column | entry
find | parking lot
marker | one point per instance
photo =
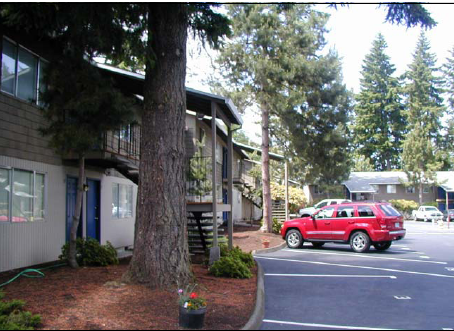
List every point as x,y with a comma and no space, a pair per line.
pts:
410,286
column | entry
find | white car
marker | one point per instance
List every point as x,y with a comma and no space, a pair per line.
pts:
306,212
427,214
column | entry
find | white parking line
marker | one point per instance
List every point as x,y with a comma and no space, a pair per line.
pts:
325,326
362,256
355,267
328,276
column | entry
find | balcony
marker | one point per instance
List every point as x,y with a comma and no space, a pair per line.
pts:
119,149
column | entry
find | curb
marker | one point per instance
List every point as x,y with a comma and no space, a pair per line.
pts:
270,250
258,315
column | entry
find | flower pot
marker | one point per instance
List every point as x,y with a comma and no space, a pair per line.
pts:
192,319
266,244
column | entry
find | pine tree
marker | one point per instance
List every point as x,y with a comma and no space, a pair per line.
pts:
380,125
273,59
424,109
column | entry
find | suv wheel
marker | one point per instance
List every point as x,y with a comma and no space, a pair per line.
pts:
294,239
360,242
383,246
318,245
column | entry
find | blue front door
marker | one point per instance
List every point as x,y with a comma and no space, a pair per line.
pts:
71,196
93,210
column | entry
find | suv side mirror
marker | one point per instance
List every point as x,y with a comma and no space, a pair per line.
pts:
313,217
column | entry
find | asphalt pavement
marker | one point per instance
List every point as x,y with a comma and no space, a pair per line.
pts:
408,287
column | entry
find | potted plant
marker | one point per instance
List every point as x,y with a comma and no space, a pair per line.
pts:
266,243
192,308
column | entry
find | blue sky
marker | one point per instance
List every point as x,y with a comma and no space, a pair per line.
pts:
352,31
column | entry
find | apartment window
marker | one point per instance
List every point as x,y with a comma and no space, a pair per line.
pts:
24,200
122,196
4,195
392,189
22,72
411,190
426,190
318,190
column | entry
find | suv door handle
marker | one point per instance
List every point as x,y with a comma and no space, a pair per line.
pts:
327,223
351,222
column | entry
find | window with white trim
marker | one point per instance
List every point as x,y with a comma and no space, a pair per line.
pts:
411,190
24,199
22,72
391,189
122,196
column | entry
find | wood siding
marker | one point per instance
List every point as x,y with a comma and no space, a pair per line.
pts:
19,132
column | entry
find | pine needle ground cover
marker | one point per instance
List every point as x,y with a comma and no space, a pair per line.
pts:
93,298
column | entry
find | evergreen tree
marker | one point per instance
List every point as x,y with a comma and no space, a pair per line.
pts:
273,59
380,125
424,108
424,89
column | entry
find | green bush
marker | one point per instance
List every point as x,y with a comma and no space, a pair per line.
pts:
13,317
277,226
405,207
91,253
234,263
231,267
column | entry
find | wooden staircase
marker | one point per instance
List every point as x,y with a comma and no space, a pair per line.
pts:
200,234
278,211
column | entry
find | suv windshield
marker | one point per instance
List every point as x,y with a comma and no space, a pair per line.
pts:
389,210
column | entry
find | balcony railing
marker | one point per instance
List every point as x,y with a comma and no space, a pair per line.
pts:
124,142
199,174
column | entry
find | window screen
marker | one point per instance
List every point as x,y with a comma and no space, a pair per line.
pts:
22,196
9,55
4,195
27,73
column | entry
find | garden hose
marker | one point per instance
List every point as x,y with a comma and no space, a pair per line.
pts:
28,273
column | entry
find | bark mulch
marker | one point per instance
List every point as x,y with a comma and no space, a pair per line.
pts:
94,299
250,238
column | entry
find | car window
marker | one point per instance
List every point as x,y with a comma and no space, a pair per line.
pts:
333,203
325,213
321,204
389,210
431,209
365,211
345,212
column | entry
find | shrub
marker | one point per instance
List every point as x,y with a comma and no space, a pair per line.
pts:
91,253
231,267
13,317
405,206
277,226
237,253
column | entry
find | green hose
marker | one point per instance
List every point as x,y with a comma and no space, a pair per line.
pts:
26,273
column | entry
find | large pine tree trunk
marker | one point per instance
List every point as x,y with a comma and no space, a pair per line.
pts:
267,210
161,253
72,260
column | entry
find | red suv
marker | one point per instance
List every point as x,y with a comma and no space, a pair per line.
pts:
358,224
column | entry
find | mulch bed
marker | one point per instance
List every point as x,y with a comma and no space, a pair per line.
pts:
250,238
93,299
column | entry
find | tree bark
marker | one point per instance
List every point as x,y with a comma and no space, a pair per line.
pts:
161,253
267,210
72,256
